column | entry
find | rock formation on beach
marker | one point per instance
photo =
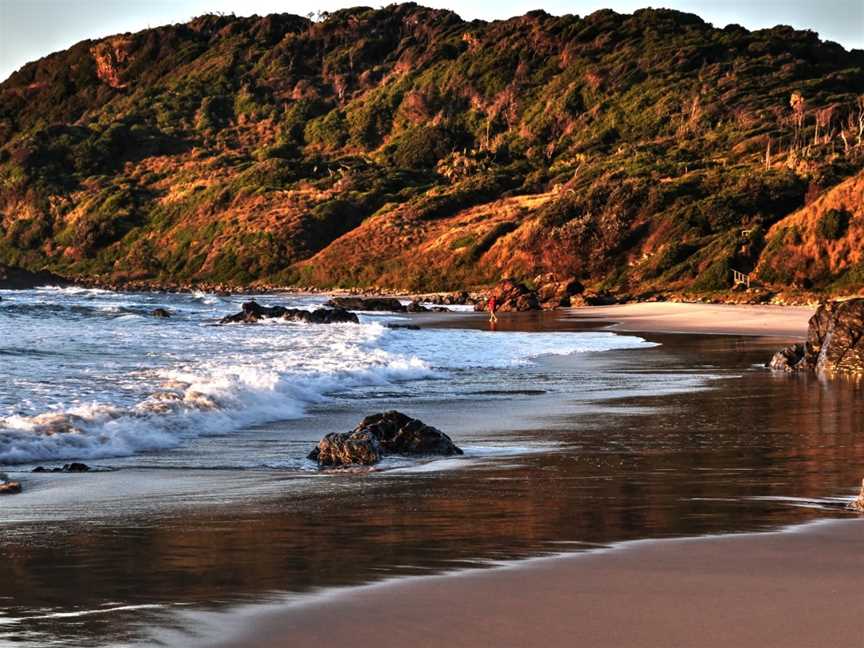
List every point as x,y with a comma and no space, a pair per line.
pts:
511,295
835,342
406,148
66,468
384,304
253,312
379,435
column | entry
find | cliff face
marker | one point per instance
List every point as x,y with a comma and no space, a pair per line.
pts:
404,147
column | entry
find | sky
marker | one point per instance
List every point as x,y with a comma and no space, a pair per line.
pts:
30,29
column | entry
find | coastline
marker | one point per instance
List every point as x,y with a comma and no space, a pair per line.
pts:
795,588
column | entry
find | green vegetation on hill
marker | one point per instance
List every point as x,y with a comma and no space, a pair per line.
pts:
407,148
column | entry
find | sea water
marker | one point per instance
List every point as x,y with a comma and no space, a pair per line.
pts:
90,374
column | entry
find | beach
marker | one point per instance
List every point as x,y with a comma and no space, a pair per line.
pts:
571,461
796,589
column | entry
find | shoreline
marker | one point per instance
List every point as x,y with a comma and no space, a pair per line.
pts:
795,587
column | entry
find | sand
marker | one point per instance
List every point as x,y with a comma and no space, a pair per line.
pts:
796,589
671,317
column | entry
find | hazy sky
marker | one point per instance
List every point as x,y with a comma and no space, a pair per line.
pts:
30,29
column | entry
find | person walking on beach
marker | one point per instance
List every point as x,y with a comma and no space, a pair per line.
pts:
493,306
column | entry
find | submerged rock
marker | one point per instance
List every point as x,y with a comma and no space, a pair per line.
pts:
835,342
160,312
379,435
858,503
253,312
385,304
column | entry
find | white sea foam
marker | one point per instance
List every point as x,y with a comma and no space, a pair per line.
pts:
135,384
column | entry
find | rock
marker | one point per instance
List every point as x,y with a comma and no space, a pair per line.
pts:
553,293
386,304
511,295
858,503
602,298
12,278
835,342
321,316
788,359
253,312
67,468
416,307
10,488
379,435
347,448
407,327
160,312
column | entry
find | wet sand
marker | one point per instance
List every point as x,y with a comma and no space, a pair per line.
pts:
671,317
798,588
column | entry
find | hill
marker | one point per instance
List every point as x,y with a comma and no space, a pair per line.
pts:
407,148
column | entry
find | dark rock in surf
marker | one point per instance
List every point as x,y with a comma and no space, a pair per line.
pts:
253,312
380,435
385,304
67,468
835,342
416,307
788,359
160,312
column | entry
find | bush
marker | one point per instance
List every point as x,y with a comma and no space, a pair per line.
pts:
833,224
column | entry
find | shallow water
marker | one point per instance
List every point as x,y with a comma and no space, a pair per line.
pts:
682,436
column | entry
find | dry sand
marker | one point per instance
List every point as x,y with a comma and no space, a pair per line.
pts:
672,317
791,589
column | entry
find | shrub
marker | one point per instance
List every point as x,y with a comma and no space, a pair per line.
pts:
833,224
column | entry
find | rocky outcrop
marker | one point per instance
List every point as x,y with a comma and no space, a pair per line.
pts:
552,292
835,342
446,299
253,312
511,295
384,304
12,278
111,56
787,359
67,468
602,298
858,503
379,435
